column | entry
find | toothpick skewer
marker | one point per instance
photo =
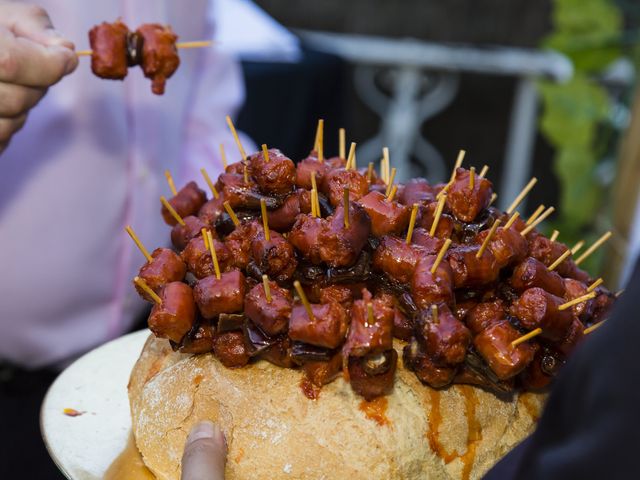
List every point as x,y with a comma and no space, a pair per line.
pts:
472,178
267,288
144,286
314,199
265,220
521,195
554,235
457,165
172,185
511,220
595,285
265,153
243,155
559,260
138,243
535,215
528,336
172,211
412,222
434,314
205,239
484,171
370,173
212,187
370,318
214,257
303,299
438,214
440,256
223,155
575,301
181,45
493,198
593,327
346,207
392,177
487,239
593,247
321,141
245,172
342,143
576,248
538,221
385,165
351,159
231,213
392,193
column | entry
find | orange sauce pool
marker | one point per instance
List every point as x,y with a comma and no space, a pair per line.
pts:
376,410
129,465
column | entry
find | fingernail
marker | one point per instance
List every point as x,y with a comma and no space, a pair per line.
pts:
204,429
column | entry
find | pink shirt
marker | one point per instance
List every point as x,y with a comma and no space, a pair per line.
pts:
89,161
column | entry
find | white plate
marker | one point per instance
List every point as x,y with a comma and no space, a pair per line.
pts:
84,446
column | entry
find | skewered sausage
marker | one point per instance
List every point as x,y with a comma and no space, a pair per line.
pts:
230,349
181,234
533,273
159,59
335,181
387,217
109,45
445,338
274,257
176,315
465,202
198,259
225,295
166,267
186,202
537,308
271,316
428,288
275,175
326,329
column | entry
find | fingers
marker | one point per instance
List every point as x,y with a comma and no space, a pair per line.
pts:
205,453
32,22
25,62
16,100
9,126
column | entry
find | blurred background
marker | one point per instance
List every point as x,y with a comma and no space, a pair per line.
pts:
539,88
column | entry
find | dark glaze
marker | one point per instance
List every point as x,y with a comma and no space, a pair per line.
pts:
238,243
469,271
446,341
426,216
397,259
507,245
417,190
306,167
230,349
365,338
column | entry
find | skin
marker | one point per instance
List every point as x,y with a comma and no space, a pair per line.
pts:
205,453
33,56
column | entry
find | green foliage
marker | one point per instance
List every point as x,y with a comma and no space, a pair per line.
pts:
587,31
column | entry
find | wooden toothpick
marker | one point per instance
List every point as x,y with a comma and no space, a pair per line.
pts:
538,221
528,336
171,210
231,213
438,214
212,187
440,256
243,155
345,197
559,260
138,243
535,215
214,257
144,286
412,223
593,247
303,299
342,143
487,239
265,220
521,195
267,288
172,185
575,301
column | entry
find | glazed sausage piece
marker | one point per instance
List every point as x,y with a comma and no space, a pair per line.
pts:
211,210
469,271
533,273
542,370
335,181
283,218
428,288
466,203
426,216
238,243
602,304
445,338
341,294
181,234
415,359
272,317
366,338
187,202
340,246
387,217
226,295
321,373
306,235
548,252
575,289
326,329
198,340
159,59
402,325
537,308
507,246
369,383
574,336
417,190
166,267
431,245
274,257
230,349
485,314
109,43
306,167
275,175
494,345
176,315
397,259
198,258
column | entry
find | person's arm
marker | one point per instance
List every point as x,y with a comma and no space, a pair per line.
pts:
205,453
33,56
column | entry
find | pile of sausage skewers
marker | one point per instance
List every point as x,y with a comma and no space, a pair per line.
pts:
320,265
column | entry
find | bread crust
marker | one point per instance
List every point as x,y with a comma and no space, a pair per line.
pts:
274,431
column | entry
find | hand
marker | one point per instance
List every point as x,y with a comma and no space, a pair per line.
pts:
33,56
205,453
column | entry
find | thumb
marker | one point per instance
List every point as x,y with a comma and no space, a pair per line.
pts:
205,453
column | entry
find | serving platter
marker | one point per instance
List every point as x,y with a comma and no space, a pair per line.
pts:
85,418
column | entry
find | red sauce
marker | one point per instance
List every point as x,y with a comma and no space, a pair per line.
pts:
197,379
72,412
376,410
435,420
239,456
311,391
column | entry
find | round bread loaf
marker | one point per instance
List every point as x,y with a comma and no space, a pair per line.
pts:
273,431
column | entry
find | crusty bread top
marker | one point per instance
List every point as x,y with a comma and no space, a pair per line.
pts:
274,431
